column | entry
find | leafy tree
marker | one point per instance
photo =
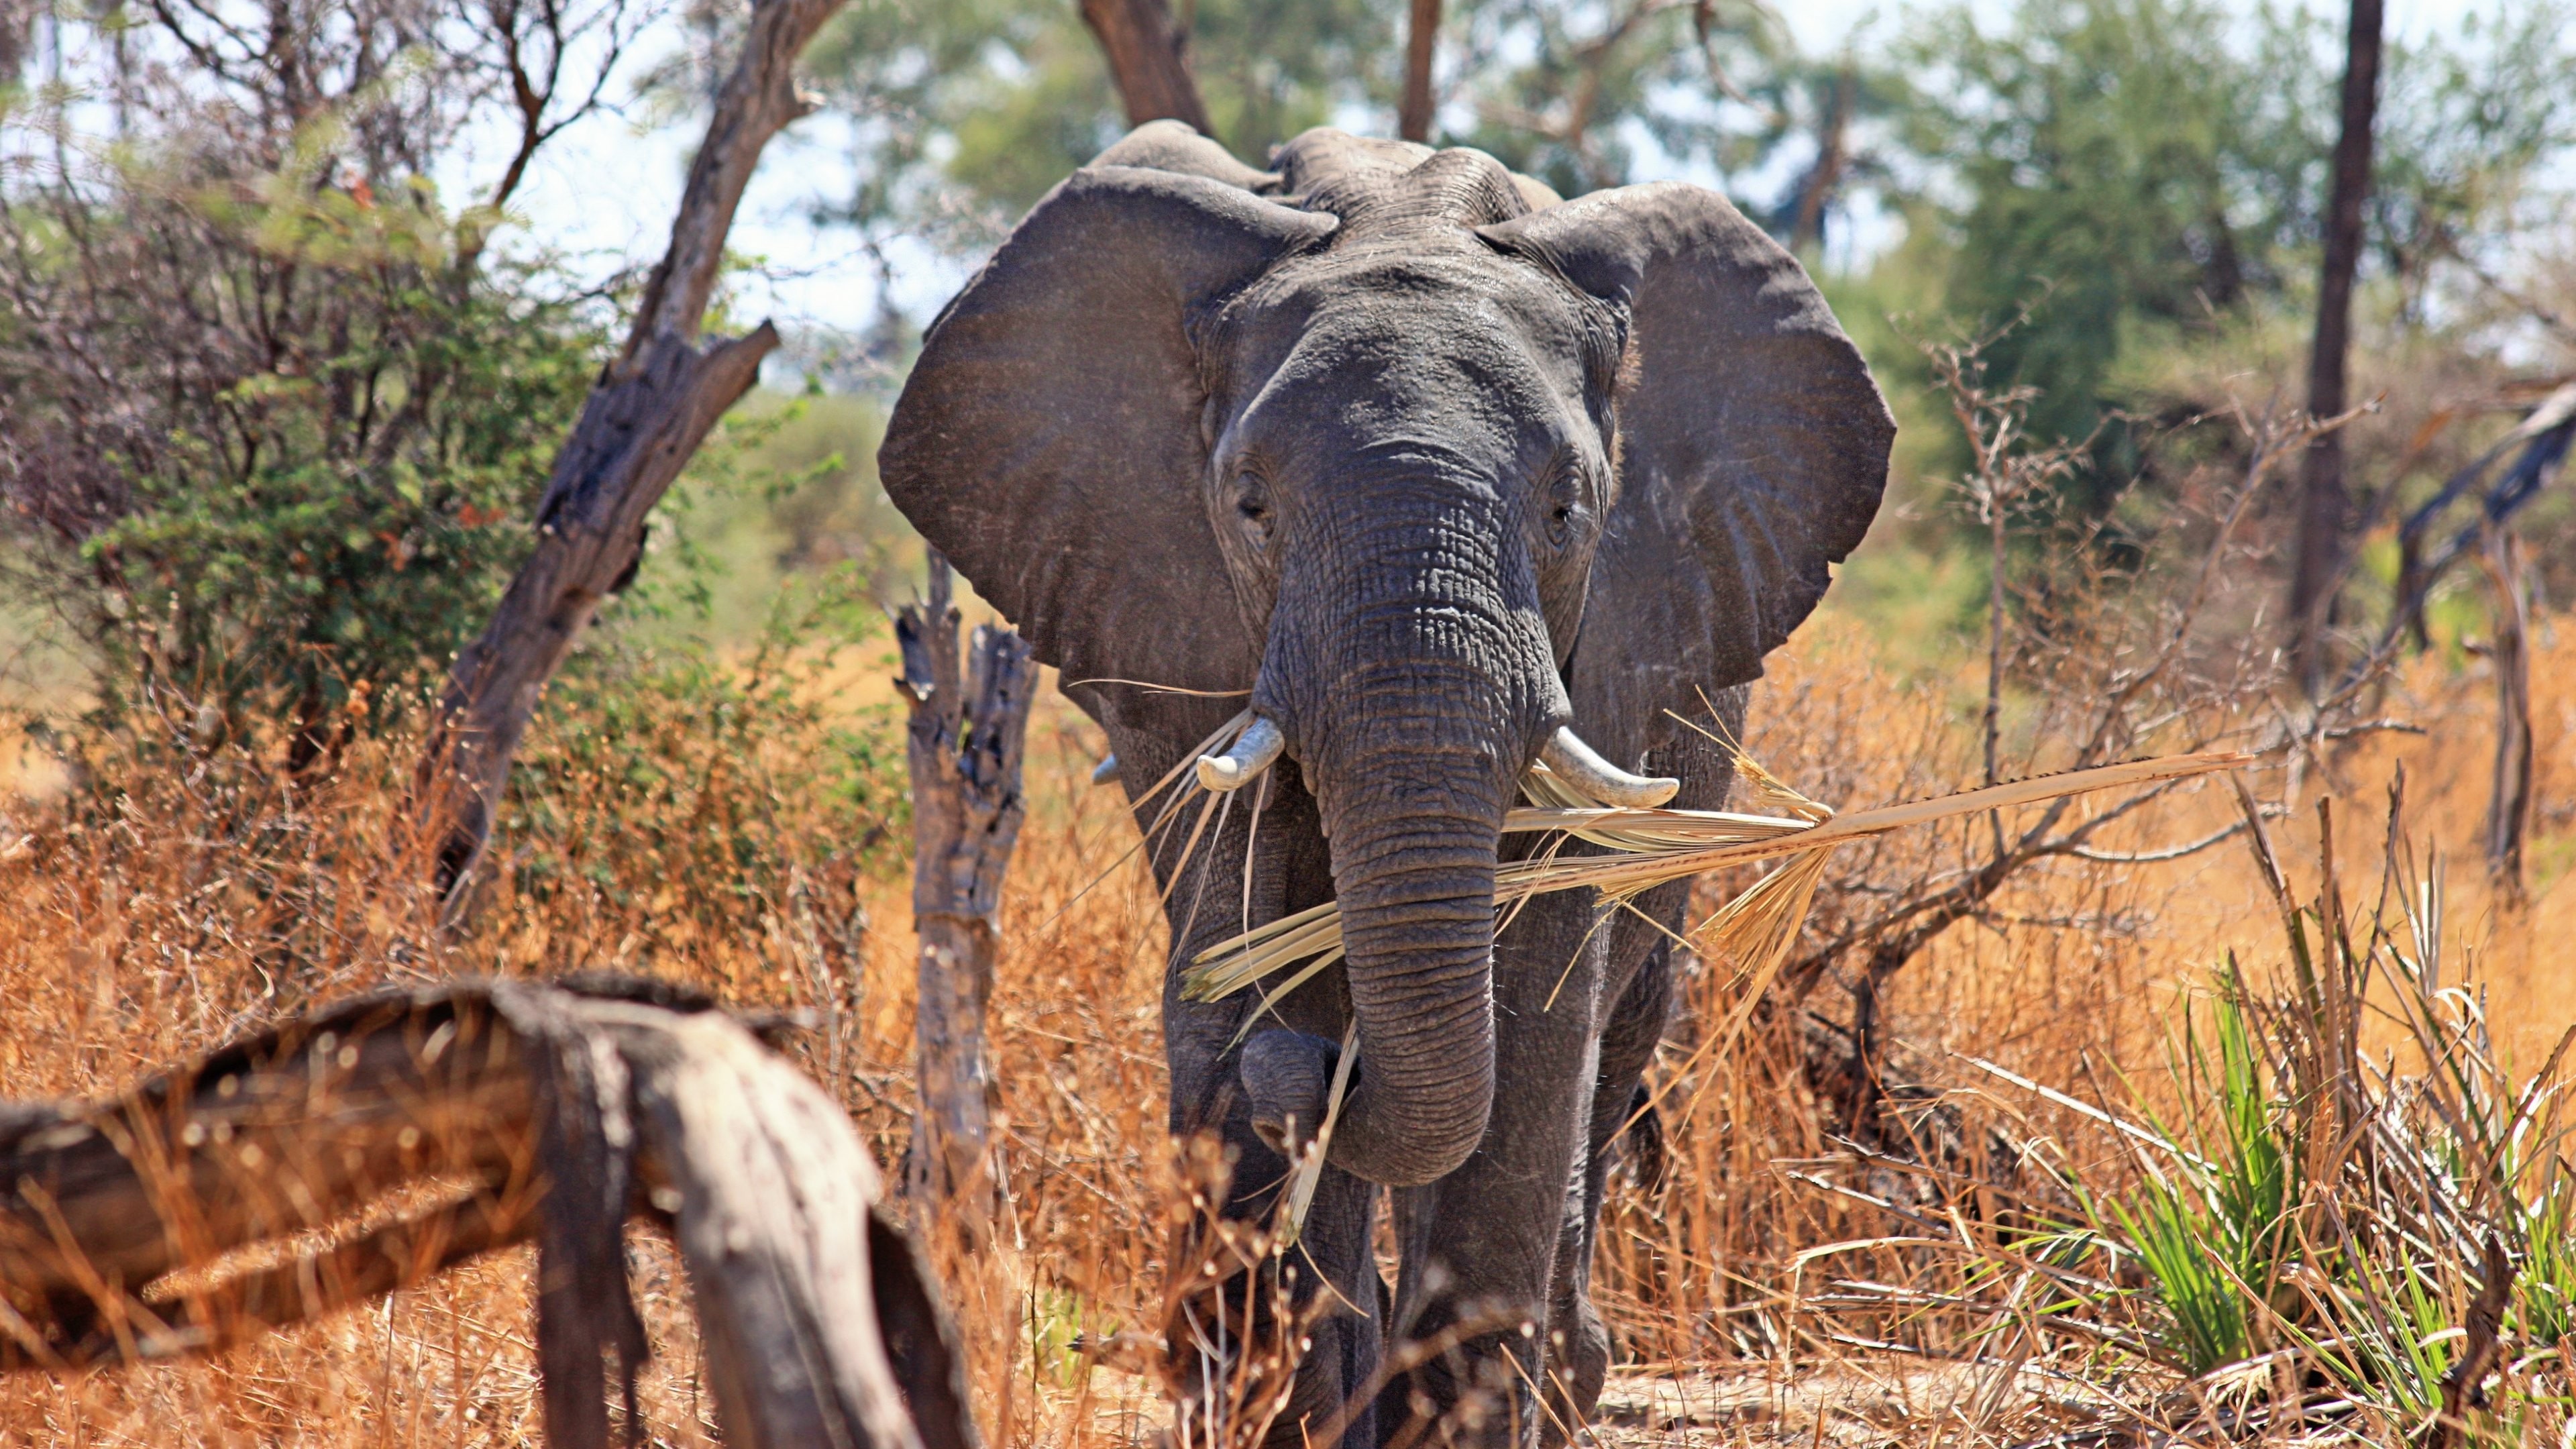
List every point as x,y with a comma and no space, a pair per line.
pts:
965,113
2125,164
273,416
1848,111
2148,169
1570,92
2470,128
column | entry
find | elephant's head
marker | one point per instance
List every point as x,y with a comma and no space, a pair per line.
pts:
1432,474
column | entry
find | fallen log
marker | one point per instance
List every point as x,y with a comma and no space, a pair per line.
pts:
363,1148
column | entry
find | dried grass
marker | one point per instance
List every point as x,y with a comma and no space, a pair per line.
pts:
201,905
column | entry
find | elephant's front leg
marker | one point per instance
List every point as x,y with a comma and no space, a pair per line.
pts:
1578,1341
1238,877
1479,1247
1640,988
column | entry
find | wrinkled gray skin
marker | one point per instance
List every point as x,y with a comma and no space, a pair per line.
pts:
1431,464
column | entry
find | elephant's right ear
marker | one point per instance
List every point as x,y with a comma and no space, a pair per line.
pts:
1048,441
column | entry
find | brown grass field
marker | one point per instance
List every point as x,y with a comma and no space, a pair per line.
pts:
224,897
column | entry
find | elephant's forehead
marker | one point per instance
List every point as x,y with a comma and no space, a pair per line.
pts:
1402,375
1423,308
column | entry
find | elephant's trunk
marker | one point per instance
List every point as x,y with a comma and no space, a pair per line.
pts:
1410,670
1413,867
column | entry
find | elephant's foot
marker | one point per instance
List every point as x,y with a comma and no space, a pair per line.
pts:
1297,1342
1341,1356
1476,1391
1287,1349
1578,1352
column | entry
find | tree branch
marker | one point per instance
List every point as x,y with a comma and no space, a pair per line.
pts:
644,420
1413,120
1149,60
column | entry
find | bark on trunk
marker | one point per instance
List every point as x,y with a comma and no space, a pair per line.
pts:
1413,120
1807,226
966,742
2325,501
1148,59
644,419
545,1113
2509,800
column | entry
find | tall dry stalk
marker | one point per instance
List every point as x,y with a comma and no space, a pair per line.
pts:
2509,654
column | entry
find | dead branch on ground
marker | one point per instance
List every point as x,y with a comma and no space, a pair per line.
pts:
360,1149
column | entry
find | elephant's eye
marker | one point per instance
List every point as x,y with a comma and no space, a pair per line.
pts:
1564,503
1252,508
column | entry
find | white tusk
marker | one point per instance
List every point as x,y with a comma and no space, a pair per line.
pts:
1106,772
1582,767
1253,751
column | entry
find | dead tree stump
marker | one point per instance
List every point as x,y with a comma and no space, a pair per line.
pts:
966,742
362,1148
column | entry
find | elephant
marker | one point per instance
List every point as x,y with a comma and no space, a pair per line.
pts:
1440,474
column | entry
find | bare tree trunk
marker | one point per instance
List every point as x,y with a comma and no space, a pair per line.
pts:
1413,119
967,739
645,417
17,29
1148,59
2325,502
1833,154
2509,803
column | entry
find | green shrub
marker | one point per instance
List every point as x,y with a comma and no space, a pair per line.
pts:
680,791
288,467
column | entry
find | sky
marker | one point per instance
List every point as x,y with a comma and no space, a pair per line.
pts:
604,192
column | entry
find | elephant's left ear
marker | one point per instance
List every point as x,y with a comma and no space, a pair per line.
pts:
1753,446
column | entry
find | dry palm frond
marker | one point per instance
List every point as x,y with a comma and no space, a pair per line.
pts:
1556,805
1757,928
1775,794
1648,848
1181,772
1548,790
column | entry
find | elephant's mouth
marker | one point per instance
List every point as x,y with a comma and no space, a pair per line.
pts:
1565,753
